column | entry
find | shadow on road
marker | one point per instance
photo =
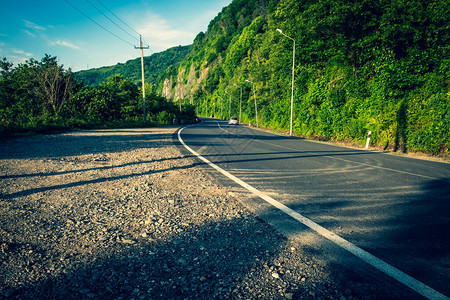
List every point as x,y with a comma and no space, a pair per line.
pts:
409,230
226,256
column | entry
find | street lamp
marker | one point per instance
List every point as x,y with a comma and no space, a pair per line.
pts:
293,66
240,104
221,106
254,97
229,108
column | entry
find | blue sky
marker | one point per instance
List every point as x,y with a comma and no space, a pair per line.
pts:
31,29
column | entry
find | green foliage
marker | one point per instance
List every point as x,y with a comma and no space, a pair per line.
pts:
380,66
33,94
154,65
42,96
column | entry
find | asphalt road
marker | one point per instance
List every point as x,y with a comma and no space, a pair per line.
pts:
395,208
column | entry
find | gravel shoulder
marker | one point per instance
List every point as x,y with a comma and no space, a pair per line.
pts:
126,214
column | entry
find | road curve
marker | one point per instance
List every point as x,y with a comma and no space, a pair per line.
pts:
396,209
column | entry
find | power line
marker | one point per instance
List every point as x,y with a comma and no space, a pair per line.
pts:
123,22
148,46
110,19
67,1
117,17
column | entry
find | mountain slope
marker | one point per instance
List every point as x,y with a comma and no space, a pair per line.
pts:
154,65
380,66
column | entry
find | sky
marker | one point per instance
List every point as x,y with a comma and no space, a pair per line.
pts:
64,28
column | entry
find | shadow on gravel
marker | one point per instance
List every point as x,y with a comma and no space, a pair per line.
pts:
236,257
247,157
97,180
240,258
103,168
206,262
93,142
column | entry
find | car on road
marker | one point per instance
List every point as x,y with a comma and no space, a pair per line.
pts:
233,121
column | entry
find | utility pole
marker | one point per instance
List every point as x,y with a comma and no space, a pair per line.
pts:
142,70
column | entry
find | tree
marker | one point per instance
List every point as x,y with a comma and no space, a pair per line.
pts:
54,83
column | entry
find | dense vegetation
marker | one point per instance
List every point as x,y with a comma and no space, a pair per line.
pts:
39,96
154,65
361,65
380,66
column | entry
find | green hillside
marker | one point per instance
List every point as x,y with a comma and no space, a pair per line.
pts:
154,65
366,65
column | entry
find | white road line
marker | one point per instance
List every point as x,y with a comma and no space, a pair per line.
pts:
379,264
346,160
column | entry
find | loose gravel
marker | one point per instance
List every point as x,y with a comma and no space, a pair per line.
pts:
124,214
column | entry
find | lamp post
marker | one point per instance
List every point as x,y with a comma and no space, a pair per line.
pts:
293,66
229,108
221,107
240,105
254,97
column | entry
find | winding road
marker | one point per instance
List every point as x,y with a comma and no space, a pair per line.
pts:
391,212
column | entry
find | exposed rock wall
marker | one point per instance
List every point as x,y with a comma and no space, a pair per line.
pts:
186,84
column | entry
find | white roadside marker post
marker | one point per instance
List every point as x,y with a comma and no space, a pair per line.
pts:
368,139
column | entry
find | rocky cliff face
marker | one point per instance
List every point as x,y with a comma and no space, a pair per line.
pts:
186,84
167,88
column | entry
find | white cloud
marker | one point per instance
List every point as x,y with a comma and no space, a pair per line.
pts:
29,33
21,52
64,44
32,25
16,56
17,59
161,35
